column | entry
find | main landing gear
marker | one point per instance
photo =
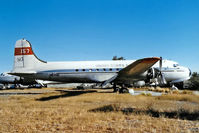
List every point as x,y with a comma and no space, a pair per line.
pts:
121,88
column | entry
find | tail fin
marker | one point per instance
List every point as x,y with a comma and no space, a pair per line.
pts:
24,56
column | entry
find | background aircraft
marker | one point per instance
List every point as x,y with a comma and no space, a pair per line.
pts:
11,81
119,73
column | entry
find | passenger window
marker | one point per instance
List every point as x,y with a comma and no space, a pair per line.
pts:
76,70
104,69
110,69
83,69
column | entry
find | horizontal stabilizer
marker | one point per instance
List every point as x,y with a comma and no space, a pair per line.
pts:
22,74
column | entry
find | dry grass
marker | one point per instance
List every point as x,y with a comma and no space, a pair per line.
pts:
180,97
97,111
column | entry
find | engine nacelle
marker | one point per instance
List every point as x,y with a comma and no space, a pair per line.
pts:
154,75
151,74
139,83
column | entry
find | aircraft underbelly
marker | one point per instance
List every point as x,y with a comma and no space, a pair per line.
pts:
77,77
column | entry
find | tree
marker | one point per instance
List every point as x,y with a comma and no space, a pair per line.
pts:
194,81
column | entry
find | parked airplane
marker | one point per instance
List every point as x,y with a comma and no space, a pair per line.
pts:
118,72
11,81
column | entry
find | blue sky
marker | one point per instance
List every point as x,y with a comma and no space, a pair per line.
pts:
66,30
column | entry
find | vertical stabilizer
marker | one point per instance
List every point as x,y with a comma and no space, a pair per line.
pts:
24,57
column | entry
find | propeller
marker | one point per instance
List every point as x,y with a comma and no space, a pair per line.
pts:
161,77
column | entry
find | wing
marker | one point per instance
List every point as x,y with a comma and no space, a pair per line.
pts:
137,68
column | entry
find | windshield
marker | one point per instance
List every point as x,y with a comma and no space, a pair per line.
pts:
175,65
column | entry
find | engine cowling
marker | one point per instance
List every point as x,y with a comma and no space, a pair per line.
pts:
155,75
151,74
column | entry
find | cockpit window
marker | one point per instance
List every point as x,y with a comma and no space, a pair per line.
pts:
175,65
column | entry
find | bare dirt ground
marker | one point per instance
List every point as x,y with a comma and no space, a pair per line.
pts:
68,110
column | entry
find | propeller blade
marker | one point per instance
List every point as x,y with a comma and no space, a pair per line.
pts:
160,65
164,82
161,77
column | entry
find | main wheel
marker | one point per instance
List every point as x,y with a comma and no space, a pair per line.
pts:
124,90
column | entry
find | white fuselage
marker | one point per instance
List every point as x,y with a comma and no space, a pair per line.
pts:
100,71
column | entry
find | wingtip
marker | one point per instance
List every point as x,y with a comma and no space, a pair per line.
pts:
150,60
158,58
